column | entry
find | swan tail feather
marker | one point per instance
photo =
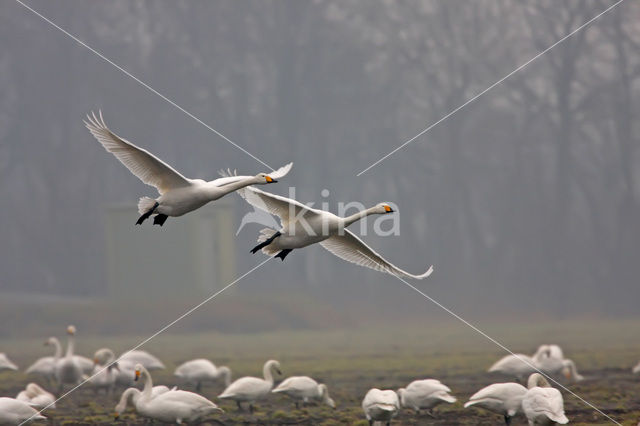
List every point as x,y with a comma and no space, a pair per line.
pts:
145,204
265,235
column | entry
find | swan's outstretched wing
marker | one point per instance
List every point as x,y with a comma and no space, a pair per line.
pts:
353,249
229,176
147,167
283,207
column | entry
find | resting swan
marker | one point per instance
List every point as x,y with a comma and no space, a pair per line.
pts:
14,412
131,395
68,369
542,404
305,389
37,397
309,226
424,394
550,359
178,194
6,364
174,406
380,405
104,374
500,398
202,370
251,389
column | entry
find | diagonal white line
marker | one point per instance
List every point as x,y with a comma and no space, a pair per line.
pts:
142,83
491,87
163,329
449,311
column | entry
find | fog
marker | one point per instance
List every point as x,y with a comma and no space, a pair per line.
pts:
526,201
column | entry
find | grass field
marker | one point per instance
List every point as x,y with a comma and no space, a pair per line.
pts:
352,361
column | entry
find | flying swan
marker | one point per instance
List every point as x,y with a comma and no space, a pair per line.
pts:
178,195
302,226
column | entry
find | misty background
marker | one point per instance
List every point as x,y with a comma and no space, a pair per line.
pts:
526,201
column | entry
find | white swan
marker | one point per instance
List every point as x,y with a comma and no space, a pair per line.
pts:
636,369
6,364
131,395
175,406
500,398
424,394
148,361
302,226
550,360
518,365
46,366
202,370
104,374
542,404
251,389
14,412
178,194
68,369
37,397
305,389
380,405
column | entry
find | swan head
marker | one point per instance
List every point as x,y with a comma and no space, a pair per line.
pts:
50,341
264,179
324,391
273,365
71,330
103,356
537,380
383,208
138,372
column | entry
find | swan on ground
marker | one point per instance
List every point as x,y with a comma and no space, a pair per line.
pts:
251,389
14,412
518,365
131,395
636,369
46,366
500,398
202,370
178,194
105,371
6,364
305,389
68,370
550,360
175,406
302,226
542,404
380,405
148,361
37,397
424,394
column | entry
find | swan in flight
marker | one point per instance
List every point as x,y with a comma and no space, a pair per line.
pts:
131,395
424,394
302,226
6,364
251,389
202,370
178,195
14,412
148,361
500,398
68,369
174,406
37,397
542,404
380,405
305,389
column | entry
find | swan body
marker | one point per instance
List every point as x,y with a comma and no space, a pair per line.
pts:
302,226
37,397
174,406
550,359
178,195
104,374
131,395
251,389
424,394
305,389
46,366
6,364
500,398
542,404
68,369
202,370
380,405
518,365
636,369
148,361
14,412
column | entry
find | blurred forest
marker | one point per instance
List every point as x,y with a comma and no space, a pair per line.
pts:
527,200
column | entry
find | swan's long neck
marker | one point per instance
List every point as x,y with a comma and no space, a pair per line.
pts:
266,371
71,344
537,379
57,348
127,396
356,217
148,383
233,186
